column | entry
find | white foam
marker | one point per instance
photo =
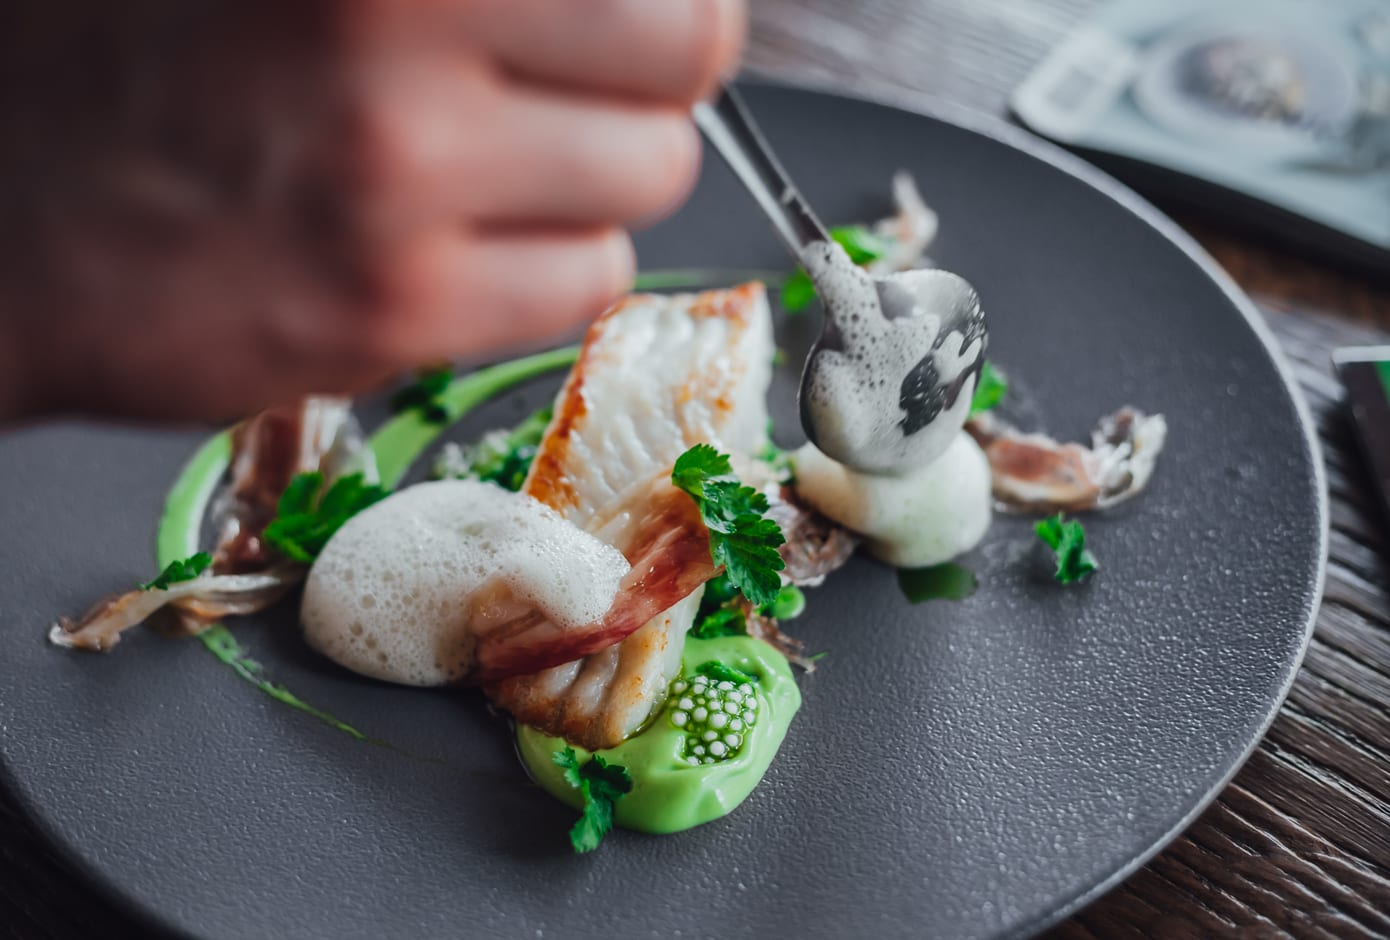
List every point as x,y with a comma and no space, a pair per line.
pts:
923,518
401,590
852,395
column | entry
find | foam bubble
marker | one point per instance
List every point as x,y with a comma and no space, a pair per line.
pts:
399,591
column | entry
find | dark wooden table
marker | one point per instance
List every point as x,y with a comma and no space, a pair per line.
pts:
1299,843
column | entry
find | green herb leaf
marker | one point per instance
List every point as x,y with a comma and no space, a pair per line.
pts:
1068,542
797,292
697,465
501,457
989,390
180,569
300,494
748,551
724,621
862,244
424,395
601,784
304,522
720,672
741,537
948,581
719,590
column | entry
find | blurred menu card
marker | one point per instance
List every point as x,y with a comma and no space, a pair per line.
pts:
1279,108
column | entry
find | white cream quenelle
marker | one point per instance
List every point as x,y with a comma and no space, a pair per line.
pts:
921,518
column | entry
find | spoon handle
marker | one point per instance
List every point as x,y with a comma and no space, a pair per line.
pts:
729,128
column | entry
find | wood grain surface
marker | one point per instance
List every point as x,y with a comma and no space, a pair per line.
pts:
1299,843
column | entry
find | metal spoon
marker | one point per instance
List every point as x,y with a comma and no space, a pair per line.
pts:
888,384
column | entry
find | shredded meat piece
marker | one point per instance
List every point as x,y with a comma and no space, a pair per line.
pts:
815,546
910,229
1035,473
267,451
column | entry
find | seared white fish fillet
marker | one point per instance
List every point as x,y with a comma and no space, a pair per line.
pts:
657,375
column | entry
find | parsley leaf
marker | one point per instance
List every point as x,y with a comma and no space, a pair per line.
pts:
698,464
1068,541
304,521
989,390
180,569
720,672
425,393
601,784
724,621
741,538
719,614
862,244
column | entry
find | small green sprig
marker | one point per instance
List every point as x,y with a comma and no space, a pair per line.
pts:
180,569
501,457
743,539
601,784
1068,542
861,243
304,521
990,389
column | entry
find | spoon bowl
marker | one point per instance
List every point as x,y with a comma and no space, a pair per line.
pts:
888,384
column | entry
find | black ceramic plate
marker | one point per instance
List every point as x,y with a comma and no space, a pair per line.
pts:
959,769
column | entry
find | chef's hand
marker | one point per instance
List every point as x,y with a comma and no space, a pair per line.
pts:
211,207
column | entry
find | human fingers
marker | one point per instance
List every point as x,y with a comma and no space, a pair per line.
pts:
429,145
671,51
450,294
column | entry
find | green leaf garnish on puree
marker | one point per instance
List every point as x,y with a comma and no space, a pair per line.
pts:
720,672
741,537
601,784
1068,542
990,389
862,245
304,523
180,569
